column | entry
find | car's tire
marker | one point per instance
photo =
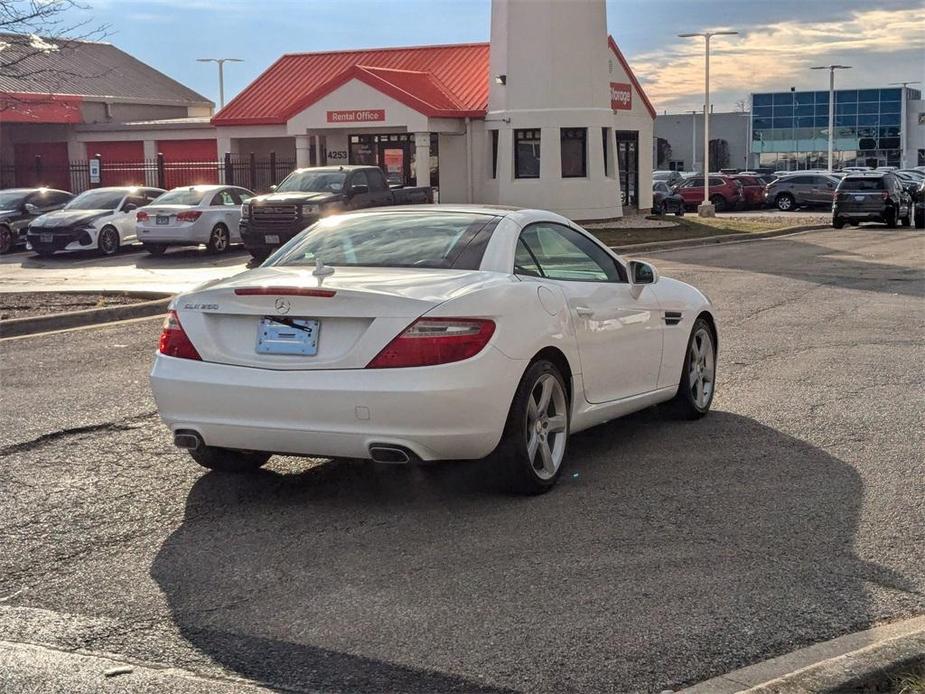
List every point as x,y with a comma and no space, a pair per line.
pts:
679,211
889,218
785,202
229,460
657,209
219,239
838,222
108,241
155,248
907,220
533,445
7,241
719,203
695,392
920,219
259,254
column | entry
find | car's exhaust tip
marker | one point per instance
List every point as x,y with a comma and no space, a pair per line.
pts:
387,453
189,440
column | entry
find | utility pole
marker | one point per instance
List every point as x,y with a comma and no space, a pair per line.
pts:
221,75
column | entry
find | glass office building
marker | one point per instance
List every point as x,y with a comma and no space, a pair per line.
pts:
790,130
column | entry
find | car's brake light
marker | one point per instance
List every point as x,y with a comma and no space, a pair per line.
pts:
141,216
188,215
174,341
284,291
431,341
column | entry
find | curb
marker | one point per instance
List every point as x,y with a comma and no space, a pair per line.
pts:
848,663
717,239
16,327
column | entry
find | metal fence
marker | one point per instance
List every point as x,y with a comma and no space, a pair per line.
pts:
247,171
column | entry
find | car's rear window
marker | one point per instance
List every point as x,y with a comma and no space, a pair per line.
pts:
182,196
431,239
859,183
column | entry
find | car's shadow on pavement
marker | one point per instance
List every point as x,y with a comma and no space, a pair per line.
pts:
670,551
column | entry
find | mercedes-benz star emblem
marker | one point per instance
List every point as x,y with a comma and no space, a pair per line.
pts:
282,305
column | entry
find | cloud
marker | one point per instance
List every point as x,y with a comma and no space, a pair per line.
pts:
771,56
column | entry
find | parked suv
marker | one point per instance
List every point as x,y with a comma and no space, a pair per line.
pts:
19,206
304,196
788,193
918,206
871,197
752,189
726,193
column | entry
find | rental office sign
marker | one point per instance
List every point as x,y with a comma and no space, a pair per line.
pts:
362,115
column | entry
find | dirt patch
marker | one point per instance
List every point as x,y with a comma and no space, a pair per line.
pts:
31,304
689,227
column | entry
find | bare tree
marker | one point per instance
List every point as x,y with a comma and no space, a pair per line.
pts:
31,32
662,152
742,105
719,153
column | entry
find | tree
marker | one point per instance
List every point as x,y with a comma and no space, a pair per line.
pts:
719,154
662,153
742,106
31,30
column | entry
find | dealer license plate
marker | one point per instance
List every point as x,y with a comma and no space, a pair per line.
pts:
859,198
294,336
271,238
46,238
163,219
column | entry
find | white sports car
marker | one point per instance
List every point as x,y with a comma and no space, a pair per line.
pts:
193,215
428,333
101,219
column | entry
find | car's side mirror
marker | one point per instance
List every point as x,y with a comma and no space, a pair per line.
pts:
642,273
31,209
273,188
359,189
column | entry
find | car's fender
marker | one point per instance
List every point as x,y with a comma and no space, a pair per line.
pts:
676,297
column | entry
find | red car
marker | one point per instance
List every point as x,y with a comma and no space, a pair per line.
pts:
752,190
725,192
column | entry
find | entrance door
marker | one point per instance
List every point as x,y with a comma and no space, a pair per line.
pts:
628,161
395,162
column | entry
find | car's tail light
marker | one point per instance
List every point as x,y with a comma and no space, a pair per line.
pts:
188,215
174,341
431,341
141,216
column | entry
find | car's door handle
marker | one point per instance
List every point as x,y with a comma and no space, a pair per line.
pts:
584,311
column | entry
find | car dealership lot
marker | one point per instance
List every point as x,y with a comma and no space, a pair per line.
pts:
670,551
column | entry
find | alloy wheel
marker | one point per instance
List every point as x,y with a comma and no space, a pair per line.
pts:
702,368
547,426
219,239
109,241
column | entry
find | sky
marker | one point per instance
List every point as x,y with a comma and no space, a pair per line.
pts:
883,40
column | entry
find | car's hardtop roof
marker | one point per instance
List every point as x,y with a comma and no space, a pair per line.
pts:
346,168
867,174
34,190
125,189
520,215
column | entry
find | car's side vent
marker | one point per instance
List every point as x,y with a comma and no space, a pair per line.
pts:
672,317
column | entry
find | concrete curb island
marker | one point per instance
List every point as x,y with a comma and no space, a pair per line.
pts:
854,662
715,239
158,302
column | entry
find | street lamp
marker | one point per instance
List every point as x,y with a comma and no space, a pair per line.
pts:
706,208
902,121
831,69
221,74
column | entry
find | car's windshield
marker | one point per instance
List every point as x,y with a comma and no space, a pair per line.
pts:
12,200
396,239
662,175
182,196
96,200
862,184
313,182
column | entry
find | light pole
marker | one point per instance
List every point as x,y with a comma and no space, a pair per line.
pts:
831,69
221,74
693,139
706,208
902,121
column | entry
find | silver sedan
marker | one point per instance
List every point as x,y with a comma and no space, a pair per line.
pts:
192,215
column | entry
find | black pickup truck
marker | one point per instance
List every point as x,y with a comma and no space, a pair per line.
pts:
304,196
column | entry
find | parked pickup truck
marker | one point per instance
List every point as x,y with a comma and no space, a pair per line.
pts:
306,195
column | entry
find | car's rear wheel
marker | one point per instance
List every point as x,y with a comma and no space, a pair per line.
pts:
228,460
920,219
785,202
889,217
219,239
907,220
535,436
698,374
6,239
108,241
838,222
155,248
719,203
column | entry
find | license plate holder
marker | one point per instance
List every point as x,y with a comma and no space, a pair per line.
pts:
46,238
859,198
296,336
162,219
271,238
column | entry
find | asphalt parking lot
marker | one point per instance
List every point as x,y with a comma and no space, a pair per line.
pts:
670,552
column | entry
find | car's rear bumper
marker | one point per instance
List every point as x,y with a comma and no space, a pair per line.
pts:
189,234
453,411
861,213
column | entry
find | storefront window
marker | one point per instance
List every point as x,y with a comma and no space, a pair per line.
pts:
527,153
574,152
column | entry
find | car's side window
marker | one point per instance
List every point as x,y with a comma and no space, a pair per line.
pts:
564,254
224,198
359,179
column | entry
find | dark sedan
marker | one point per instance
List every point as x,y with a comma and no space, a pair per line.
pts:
665,200
19,206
